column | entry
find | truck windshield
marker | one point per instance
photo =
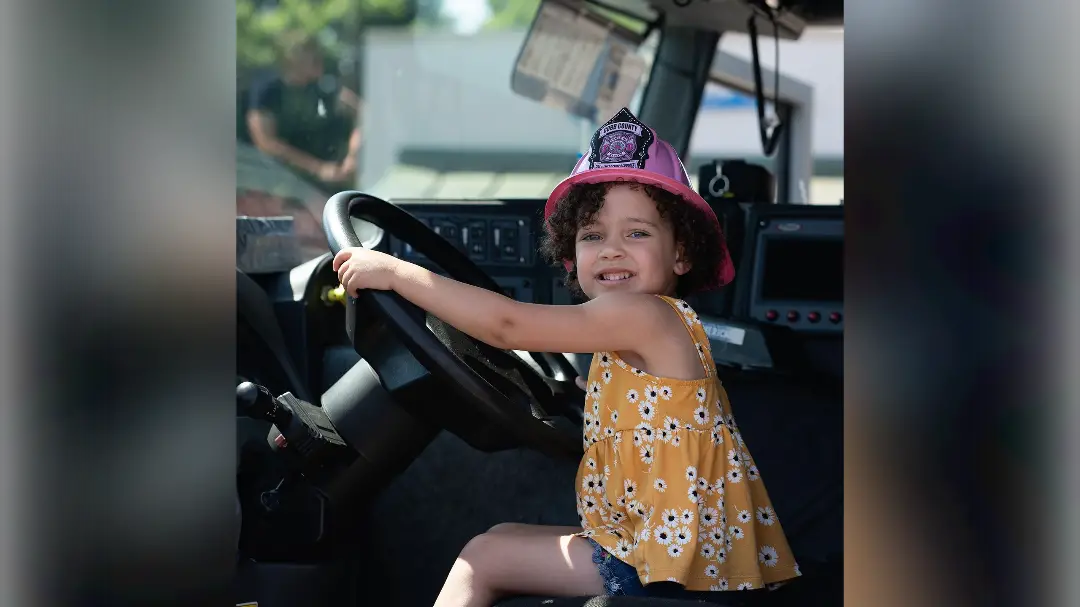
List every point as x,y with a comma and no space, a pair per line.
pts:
398,98
411,99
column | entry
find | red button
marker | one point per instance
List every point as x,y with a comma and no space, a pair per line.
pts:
772,315
834,318
813,317
793,316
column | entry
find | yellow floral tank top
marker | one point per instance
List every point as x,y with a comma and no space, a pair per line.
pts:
667,484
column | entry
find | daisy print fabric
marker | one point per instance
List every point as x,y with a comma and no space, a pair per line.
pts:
667,483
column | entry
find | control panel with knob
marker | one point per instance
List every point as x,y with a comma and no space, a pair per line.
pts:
794,262
807,318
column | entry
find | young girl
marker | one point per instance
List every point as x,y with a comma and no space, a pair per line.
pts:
667,491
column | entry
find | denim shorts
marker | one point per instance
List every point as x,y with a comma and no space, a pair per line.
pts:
620,579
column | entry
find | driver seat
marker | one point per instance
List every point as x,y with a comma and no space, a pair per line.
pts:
255,315
821,585
600,601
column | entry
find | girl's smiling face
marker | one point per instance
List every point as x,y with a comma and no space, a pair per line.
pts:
628,247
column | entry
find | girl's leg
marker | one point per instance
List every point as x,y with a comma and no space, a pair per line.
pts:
527,529
521,559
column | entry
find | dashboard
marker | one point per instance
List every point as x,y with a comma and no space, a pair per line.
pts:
502,237
790,268
789,281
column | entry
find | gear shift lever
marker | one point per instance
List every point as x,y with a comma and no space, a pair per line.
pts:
301,431
256,402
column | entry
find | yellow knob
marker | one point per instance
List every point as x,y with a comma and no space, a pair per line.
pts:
336,295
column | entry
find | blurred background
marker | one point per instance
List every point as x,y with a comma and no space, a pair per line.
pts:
123,150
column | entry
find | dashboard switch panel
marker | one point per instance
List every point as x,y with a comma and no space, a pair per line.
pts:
487,240
499,236
475,239
511,242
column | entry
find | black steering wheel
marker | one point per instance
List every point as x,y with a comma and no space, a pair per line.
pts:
496,384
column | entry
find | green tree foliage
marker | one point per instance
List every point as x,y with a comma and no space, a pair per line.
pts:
334,23
519,14
429,15
511,14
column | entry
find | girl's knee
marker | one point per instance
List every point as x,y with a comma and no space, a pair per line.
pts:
489,549
483,558
504,528
481,547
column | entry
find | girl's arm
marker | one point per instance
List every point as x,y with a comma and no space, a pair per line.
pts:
616,322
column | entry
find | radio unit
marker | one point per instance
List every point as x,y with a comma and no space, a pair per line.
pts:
798,267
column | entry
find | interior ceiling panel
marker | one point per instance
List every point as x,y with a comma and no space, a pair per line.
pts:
809,12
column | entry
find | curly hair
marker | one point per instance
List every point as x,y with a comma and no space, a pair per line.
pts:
694,231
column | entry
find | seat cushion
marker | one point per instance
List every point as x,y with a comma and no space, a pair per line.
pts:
600,601
822,585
